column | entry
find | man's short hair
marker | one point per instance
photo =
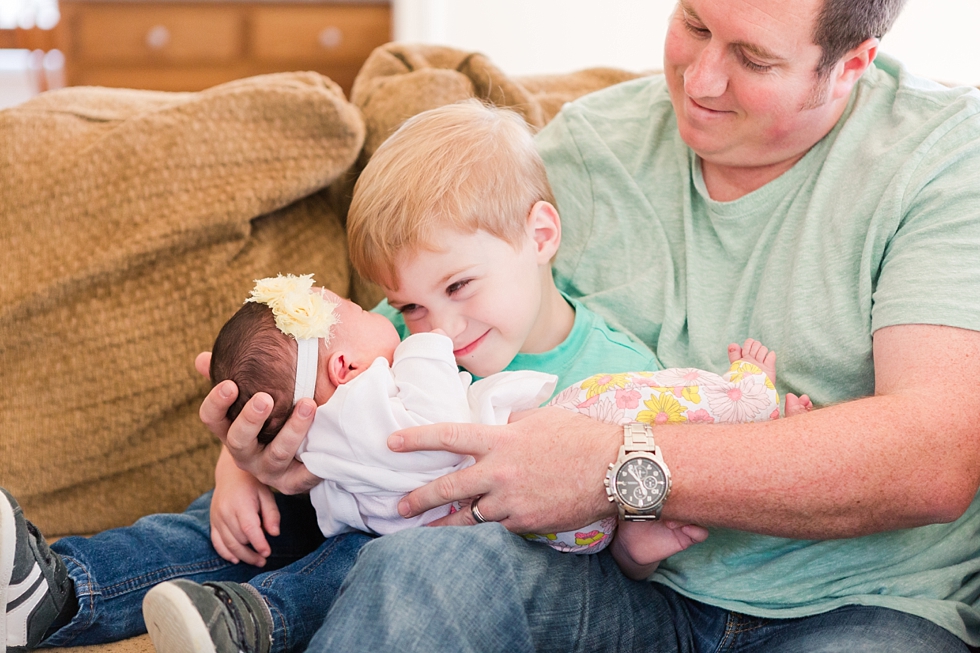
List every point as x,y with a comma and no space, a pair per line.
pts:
465,166
252,351
845,24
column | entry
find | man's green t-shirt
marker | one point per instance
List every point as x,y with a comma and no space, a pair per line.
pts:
590,348
877,225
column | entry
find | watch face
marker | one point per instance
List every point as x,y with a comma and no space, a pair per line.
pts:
640,484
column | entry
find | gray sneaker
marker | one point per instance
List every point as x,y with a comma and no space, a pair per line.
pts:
34,583
223,617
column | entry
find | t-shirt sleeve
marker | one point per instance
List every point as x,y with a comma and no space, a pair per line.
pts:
930,271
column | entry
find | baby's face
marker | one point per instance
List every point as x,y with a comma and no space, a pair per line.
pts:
478,289
368,335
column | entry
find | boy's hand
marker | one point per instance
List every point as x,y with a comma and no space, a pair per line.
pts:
540,473
241,508
274,465
639,547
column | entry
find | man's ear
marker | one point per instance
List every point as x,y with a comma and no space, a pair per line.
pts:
850,68
339,369
544,225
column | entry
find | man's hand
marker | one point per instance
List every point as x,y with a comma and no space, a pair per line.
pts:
543,472
275,464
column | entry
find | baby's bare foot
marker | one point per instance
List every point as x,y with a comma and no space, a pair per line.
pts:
797,405
756,353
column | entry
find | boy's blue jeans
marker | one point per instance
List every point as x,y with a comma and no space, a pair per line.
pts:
113,571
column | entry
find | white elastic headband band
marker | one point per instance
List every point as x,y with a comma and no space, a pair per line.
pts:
307,358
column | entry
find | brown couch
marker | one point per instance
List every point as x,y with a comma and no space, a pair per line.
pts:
132,224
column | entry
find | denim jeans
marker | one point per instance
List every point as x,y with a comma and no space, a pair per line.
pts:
484,589
113,570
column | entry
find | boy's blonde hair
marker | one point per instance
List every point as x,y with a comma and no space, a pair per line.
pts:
465,166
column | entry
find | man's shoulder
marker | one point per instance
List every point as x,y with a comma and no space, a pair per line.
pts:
910,102
900,132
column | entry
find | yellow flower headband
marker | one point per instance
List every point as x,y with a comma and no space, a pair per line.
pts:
306,316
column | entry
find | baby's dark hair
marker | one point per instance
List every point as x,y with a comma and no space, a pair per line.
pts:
252,351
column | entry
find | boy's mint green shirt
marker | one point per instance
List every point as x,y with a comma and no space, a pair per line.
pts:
592,347
877,225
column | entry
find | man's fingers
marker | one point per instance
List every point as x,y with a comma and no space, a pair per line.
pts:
244,431
468,439
445,489
203,364
214,409
282,450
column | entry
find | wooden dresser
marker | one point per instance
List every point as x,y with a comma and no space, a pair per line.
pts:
188,46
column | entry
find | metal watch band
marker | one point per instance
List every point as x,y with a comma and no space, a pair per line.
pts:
638,436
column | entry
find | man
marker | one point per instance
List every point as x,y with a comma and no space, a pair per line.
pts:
773,184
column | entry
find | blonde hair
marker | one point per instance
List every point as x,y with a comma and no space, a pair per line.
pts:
464,166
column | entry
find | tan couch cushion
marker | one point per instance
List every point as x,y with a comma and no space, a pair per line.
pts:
129,234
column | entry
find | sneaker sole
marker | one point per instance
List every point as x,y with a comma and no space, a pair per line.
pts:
8,544
174,624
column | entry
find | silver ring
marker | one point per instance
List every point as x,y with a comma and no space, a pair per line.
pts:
477,515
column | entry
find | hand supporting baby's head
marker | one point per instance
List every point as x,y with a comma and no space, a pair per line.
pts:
291,341
251,351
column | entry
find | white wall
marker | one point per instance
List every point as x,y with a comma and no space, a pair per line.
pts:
935,38
542,36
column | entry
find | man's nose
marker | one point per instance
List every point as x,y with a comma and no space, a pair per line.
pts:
706,77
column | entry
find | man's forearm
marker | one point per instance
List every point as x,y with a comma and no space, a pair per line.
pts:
906,458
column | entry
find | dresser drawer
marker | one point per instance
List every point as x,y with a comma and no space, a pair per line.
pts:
336,33
153,34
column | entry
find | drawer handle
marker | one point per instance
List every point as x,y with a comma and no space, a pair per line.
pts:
330,38
158,37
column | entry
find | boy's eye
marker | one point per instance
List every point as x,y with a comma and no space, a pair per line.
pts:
454,288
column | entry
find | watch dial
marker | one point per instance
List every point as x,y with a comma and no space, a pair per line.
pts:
640,483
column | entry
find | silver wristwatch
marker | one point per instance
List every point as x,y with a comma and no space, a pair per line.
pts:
639,480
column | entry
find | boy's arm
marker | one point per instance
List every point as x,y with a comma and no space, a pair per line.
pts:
240,507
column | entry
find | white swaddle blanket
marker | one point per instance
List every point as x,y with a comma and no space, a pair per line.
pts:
347,444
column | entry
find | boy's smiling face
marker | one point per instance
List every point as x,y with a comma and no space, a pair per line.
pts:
482,291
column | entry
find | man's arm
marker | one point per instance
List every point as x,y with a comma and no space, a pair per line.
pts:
909,456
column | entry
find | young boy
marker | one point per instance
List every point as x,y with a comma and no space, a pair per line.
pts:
472,261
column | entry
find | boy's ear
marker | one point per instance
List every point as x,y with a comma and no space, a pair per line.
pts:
544,225
339,369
